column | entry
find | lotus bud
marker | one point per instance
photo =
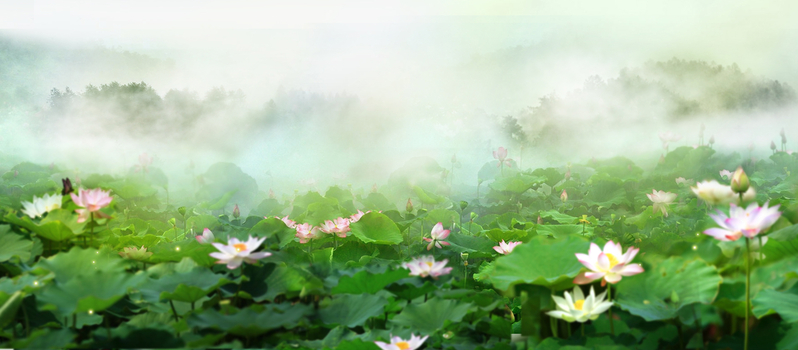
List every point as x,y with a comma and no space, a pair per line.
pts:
739,182
540,220
182,211
463,205
712,140
236,212
464,256
67,187
781,133
474,216
564,196
172,221
772,146
409,206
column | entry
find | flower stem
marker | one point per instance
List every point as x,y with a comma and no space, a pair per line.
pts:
747,287
174,311
583,329
609,298
91,222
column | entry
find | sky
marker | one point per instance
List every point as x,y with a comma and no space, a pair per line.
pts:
412,55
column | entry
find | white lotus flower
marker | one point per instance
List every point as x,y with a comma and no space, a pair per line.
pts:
714,193
578,308
42,205
236,252
427,266
661,200
400,344
610,264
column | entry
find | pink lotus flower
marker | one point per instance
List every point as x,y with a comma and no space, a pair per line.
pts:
438,234
144,162
505,248
564,196
206,237
427,266
288,222
236,252
356,216
305,232
501,155
339,226
610,264
400,344
661,200
92,201
740,222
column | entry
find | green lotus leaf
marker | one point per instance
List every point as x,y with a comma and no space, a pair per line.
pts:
352,310
376,228
653,294
431,316
364,282
770,301
189,286
13,245
540,261
87,292
250,322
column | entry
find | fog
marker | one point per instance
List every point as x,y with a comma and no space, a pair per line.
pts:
309,94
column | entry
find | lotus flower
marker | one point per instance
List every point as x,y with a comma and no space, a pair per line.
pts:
42,205
288,222
144,162
668,137
236,212
661,200
92,201
236,252
438,234
578,308
564,196
135,253
400,344
683,181
305,232
356,216
725,174
427,266
610,264
740,222
714,193
206,237
67,184
339,227
505,248
501,155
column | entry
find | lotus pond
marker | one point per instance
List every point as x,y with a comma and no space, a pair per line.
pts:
598,255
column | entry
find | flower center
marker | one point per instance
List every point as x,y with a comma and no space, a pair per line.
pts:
240,246
613,259
579,304
402,345
429,263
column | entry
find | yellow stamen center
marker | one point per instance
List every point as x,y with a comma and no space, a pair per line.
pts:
240,246
402,345
613,259
579,304
429,264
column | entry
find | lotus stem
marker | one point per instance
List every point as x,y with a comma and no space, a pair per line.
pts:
174,311
609,298
747,288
